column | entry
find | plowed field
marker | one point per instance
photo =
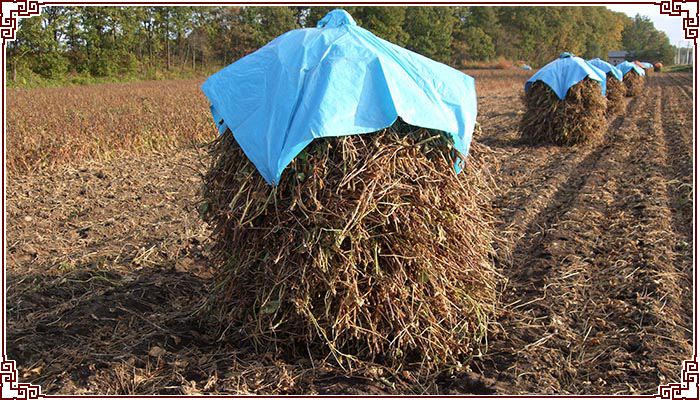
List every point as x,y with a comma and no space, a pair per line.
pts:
107,260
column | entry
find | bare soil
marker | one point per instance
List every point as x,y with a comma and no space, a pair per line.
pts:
108,263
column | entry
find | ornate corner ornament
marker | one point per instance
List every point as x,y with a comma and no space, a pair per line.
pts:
11,379
679,388
675,11
11,21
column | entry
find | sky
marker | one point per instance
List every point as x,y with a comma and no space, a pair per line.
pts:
673,26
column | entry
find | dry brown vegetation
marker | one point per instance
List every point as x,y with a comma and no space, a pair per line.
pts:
578,118
615,93
108,262
371,249
54,126
491,82
634,83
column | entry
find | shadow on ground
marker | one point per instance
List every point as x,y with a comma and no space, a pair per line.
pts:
100,332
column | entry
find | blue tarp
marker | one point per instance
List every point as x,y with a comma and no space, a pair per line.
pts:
565,72
627,66
606,67
647,65
333,80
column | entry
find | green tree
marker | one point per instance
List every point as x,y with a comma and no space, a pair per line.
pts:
430,31
229,36
38,47
474,34
268,22
644,42
564,32
472,44
385,22
113,40
603,32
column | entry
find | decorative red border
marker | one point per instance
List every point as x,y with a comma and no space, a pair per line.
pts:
11,23
11,377
688,26
675,11
687,389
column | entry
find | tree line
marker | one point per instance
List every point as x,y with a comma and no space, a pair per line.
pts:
118,40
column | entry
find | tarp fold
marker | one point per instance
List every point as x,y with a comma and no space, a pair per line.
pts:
627,66
334,80
565,72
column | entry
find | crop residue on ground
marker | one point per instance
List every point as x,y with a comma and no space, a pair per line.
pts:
107,260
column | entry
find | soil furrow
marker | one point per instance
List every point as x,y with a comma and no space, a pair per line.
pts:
644,252
678,145
548,190
107,262
681,81
679,186
530,273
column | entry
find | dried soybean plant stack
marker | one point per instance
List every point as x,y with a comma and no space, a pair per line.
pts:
568,113
647,67
341,245
634,83
615,89
633,78
371,248
615,93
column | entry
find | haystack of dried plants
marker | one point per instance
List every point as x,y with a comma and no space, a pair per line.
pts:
615,93
634,83
370,250
579,118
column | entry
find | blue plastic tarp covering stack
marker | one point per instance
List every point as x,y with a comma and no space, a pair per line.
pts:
565,72
606,67
647,65
333,80
627,66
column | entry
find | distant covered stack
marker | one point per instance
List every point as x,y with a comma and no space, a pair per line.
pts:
648,67
615,89
565,103
633,77
348,235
